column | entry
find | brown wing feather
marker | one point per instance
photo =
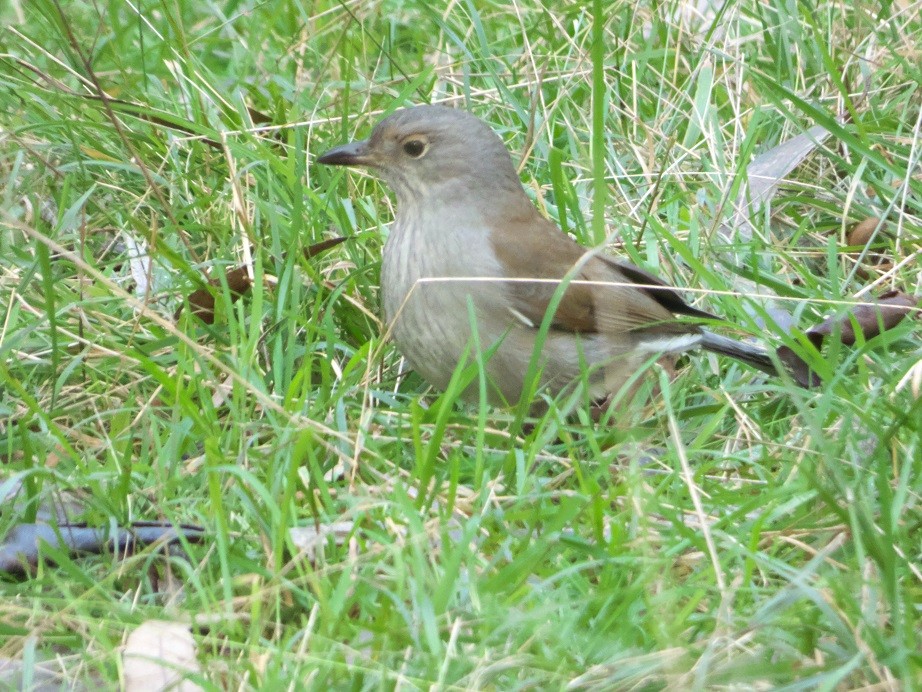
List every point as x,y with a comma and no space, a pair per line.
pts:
612,304
546,254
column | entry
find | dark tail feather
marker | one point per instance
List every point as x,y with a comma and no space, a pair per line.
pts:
754,356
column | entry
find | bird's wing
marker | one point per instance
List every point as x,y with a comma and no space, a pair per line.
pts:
659,290
535,259
612,302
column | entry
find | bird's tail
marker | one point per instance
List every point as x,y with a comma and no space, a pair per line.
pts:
750,354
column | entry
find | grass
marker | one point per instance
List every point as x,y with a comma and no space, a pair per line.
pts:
733,532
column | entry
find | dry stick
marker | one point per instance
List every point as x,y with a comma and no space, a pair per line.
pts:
20,548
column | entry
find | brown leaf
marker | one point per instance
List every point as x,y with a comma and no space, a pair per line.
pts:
865,235
863,231
202,300
888,311
258,117
323,245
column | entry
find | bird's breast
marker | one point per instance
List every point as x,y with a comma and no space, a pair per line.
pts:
437,277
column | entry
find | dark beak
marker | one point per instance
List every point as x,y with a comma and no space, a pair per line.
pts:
352,154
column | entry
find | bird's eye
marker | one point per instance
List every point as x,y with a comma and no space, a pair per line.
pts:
414,148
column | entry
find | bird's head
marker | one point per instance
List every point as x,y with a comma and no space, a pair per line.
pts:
424,148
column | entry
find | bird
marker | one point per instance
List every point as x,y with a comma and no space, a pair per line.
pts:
470,265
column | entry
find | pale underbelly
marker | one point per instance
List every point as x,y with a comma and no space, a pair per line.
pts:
433,326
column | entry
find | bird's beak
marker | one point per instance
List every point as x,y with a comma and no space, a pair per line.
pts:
352,154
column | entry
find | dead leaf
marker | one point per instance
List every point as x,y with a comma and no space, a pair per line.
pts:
139,263
97,155
871,319
889,311
764,175
863,237
202,300
158,655
258,117
323,245
309,540
863,231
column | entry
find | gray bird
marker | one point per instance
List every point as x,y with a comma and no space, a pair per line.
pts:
466,234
